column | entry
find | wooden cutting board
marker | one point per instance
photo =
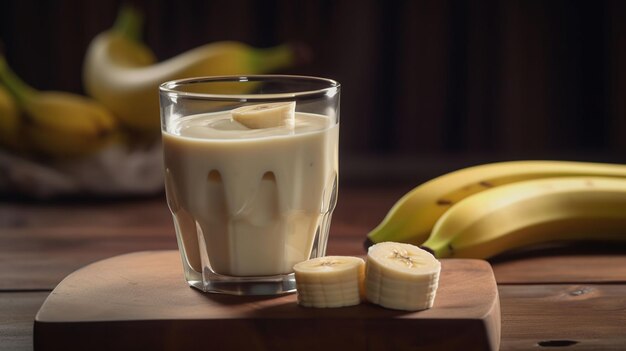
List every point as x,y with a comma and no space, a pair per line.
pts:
141,301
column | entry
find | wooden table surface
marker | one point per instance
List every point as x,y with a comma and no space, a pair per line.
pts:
572,297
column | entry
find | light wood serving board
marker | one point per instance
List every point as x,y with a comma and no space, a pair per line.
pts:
141,301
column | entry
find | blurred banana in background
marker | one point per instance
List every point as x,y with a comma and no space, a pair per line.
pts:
122,73
108,142
54,123
10,122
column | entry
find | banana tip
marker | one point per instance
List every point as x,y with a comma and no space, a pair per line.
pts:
367,243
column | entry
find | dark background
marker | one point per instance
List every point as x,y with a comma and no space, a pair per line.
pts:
428,86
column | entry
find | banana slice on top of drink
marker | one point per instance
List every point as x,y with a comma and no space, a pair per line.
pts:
278,114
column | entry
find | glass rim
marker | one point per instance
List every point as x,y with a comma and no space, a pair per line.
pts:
170,87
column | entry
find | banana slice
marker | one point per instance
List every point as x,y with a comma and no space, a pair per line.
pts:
401,276
331,281
270,115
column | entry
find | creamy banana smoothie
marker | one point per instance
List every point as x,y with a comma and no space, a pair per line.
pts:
250,189
251,167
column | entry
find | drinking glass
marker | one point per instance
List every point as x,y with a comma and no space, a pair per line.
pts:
251,165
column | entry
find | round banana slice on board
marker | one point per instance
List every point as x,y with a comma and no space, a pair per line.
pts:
401,276
331,281
268,115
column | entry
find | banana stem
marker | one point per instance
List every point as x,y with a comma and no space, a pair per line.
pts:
271,59
129,23
20,90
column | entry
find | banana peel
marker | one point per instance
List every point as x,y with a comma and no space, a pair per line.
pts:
412,218
532,212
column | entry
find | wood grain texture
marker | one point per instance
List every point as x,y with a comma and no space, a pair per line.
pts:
84,214
17,310
40,243
49,241
563,268
594,316
39,258
591,314
420,76
145,290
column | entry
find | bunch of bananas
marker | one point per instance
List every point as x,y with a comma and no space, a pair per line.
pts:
482,211
121,77
52,123
121,72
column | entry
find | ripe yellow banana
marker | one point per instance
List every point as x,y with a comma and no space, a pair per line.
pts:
120,71
412,218
56,123
10,121
531,212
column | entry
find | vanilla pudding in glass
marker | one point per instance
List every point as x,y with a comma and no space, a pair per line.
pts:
251,167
